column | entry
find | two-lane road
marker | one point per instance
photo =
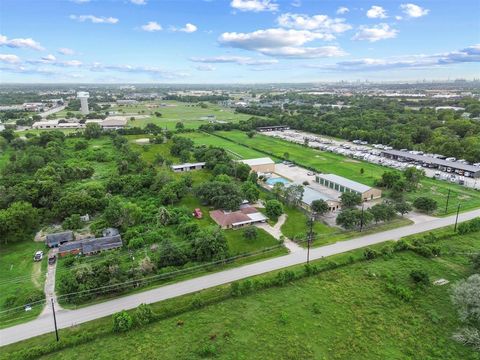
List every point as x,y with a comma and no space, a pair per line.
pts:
66,318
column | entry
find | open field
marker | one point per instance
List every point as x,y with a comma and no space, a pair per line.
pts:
326,162
345,313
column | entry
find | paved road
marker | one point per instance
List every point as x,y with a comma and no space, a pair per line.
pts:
66,318
53,111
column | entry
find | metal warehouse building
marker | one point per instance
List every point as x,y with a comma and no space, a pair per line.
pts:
431,162
342,184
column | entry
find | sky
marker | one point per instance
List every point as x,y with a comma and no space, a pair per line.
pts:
237,41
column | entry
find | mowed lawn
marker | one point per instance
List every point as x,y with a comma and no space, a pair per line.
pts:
190,114
239,151
341,314
326,162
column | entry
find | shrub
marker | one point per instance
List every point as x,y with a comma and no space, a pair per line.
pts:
402,292
197,303
425,204
420,277
144,314
250,233
73,222
235,289
208,350
122,321
370,254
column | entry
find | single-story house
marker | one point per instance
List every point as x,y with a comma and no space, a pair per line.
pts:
57,239
246,215
48,124
188,167
260,165
342,185
93,245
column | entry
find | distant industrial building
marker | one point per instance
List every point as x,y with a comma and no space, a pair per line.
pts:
260,165
342,185
83,97
114,123
273,128
110,123
188,167
435,163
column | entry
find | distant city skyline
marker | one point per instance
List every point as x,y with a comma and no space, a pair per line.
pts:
237,41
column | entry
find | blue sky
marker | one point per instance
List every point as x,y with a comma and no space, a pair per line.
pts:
237,41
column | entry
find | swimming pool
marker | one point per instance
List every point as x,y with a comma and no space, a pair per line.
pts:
273,181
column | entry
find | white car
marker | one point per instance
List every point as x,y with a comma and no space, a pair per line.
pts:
38,256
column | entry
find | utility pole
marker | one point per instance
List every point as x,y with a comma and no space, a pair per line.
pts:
448,198
456,219
310,235
55,320
361,219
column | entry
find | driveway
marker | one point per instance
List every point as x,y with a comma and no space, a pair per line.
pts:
50,286
276,232
44,323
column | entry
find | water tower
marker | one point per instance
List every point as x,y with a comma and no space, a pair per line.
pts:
83,96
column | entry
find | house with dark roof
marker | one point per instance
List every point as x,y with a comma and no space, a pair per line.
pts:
93,245
55,240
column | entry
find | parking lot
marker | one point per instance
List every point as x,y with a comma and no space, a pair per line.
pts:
369,153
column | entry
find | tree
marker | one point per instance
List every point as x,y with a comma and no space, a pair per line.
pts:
413,176
319,207
389,178
382,212
250,191
122,214
219,194
250,233
18,222
286,155
350,199
293,194
274,209
425,204
170,254
403,207
92,131
210,244
241,171
354,218
251,134
179,126
466,297
73,222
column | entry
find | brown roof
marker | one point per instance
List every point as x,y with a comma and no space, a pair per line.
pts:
247,209
228,218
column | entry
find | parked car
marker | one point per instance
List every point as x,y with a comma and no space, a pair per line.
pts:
38,256
52,259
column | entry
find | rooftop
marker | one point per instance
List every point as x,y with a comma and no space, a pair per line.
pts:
310,195
350,184
181,166
258,161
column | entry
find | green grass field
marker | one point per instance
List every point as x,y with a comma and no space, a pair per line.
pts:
326,162
342,314
20,276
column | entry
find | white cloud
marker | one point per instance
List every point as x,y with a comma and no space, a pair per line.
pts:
296,3
188,28
414,11
377,12
398,17
9,58
152,26
205,67
94,19
139,2
321,23
342,10
240,60
375,33
306,52
280,42
66,51
49,58
469,54
254,5
20,43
